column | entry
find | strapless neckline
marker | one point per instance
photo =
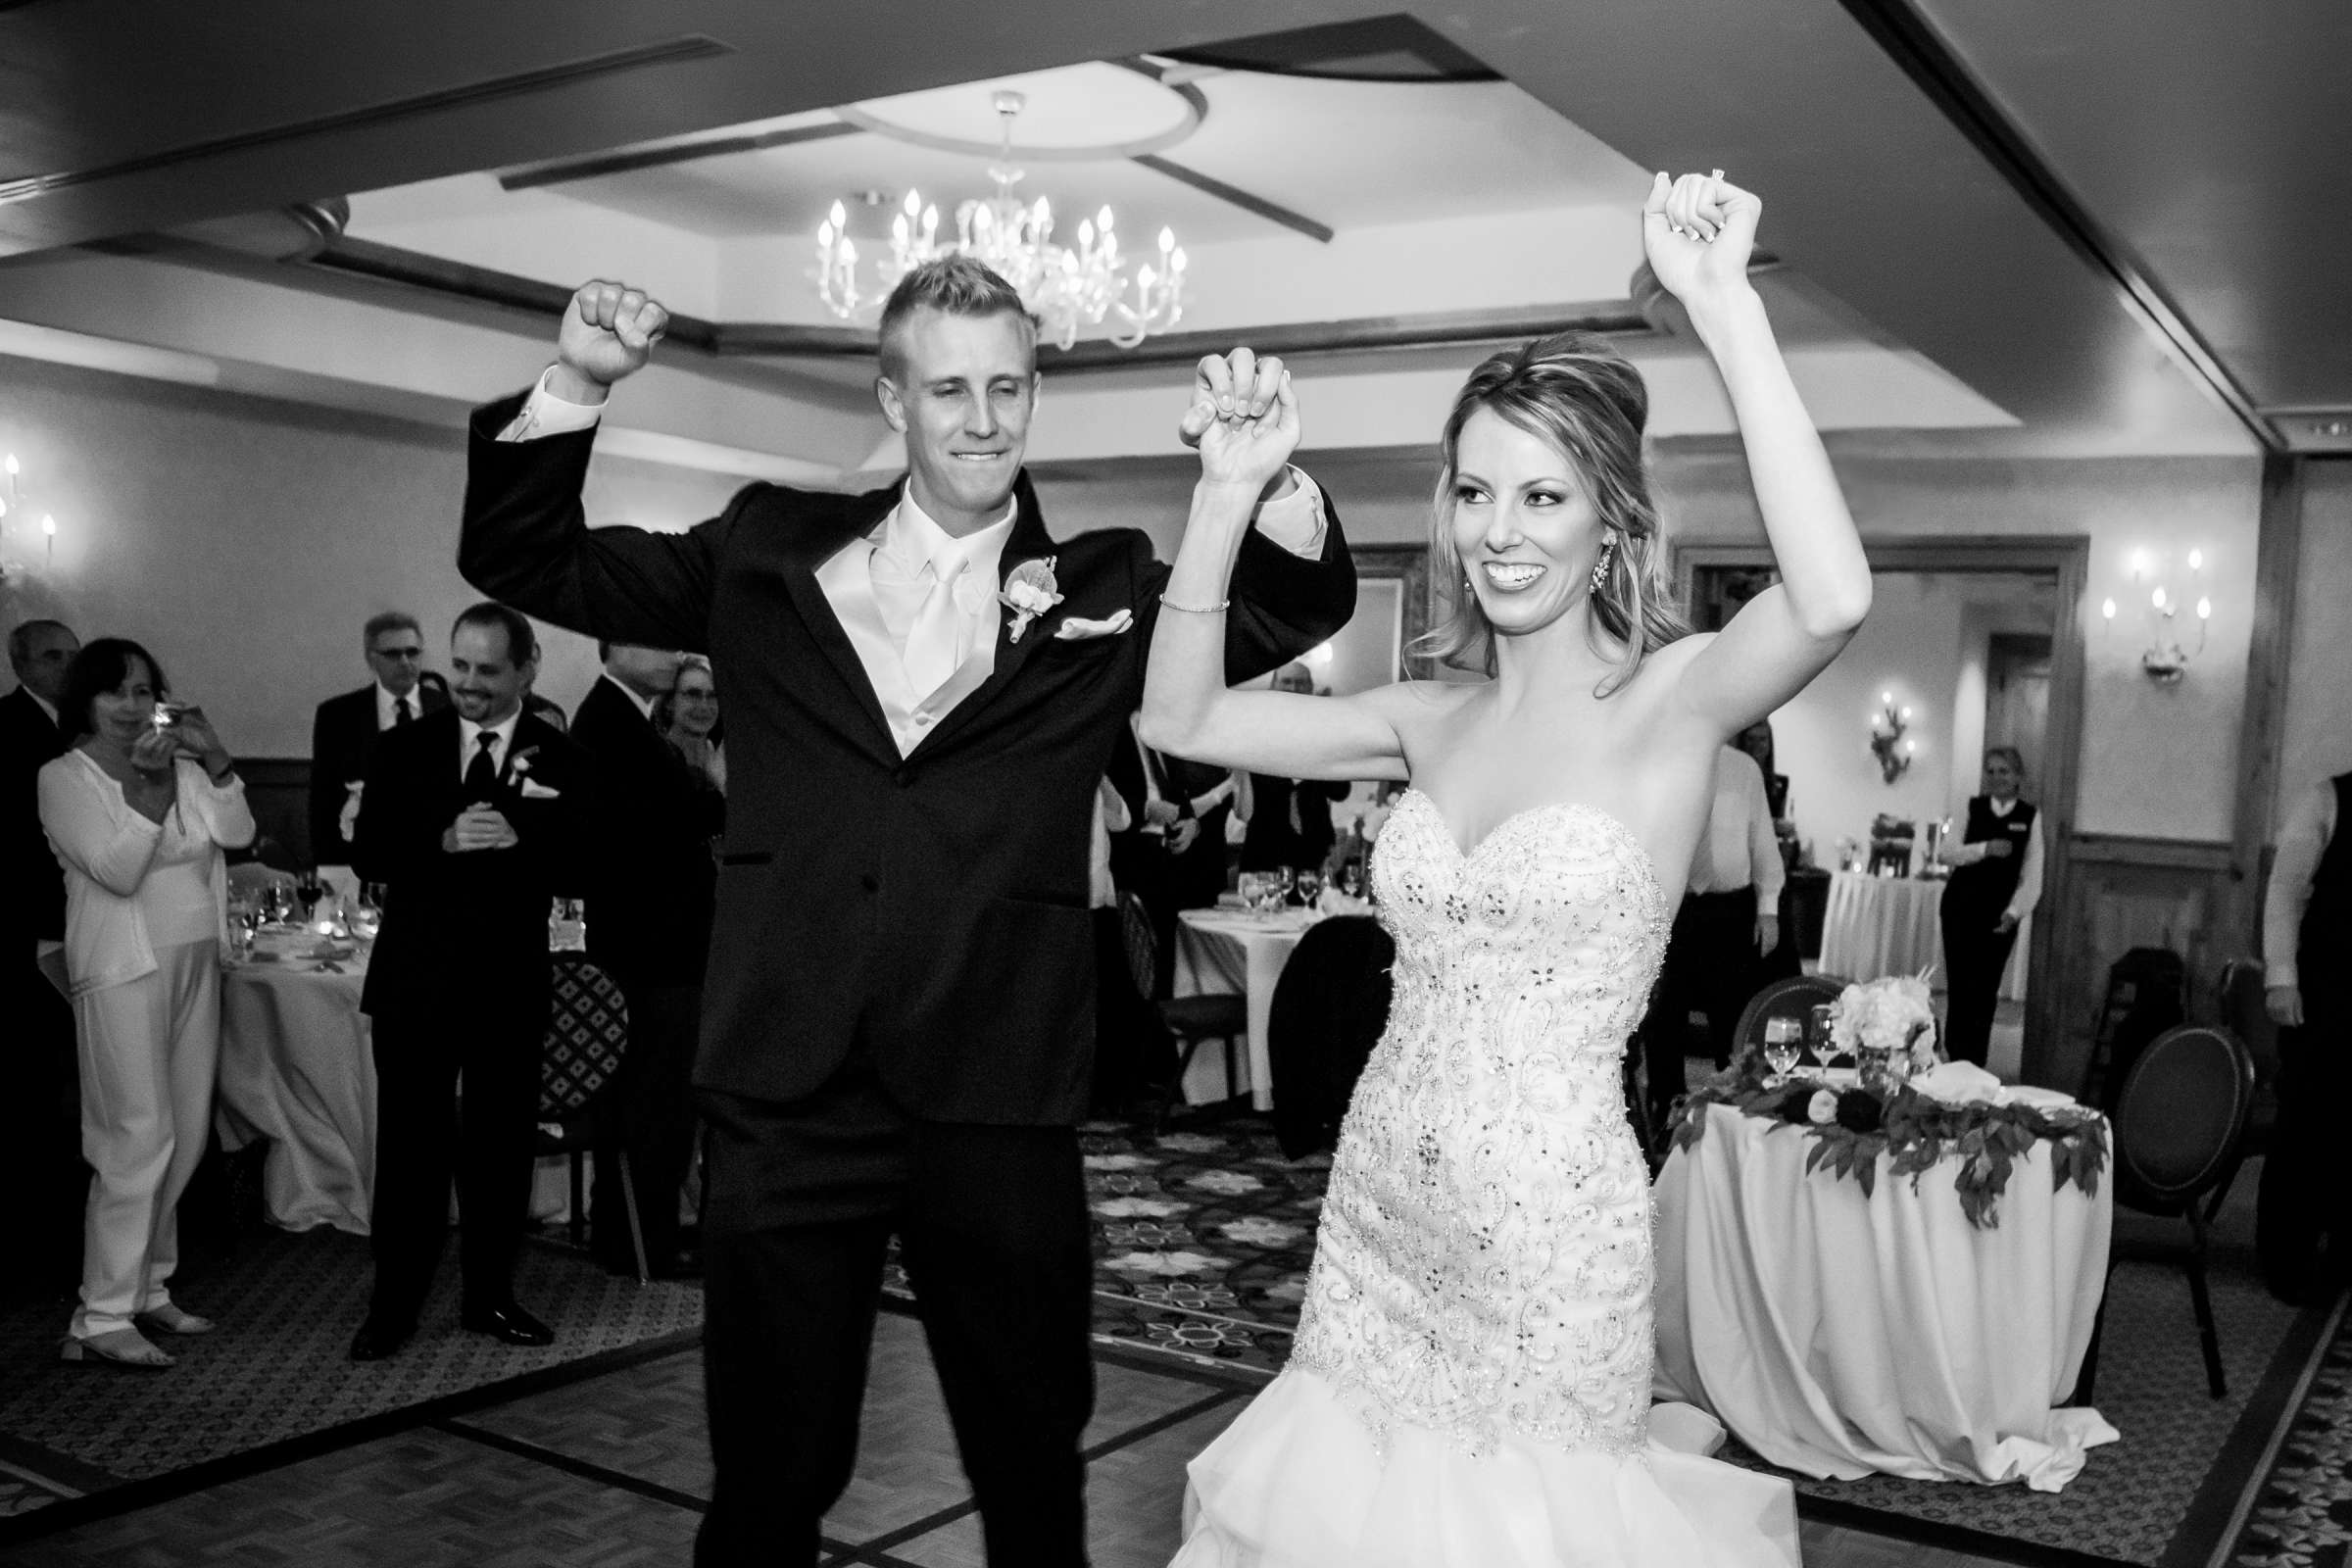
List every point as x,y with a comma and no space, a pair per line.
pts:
1614,827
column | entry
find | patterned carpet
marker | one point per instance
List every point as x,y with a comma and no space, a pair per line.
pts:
2302,1513
277,1371
1201,1240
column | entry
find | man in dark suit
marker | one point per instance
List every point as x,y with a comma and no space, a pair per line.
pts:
40,1150
474,819
923,688
648,925
1289,818
343,733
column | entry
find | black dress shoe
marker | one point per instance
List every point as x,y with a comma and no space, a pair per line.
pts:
379,1338
509,1325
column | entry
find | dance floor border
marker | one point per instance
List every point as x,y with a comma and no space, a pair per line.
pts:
104,1495
2208,1533
1221,1385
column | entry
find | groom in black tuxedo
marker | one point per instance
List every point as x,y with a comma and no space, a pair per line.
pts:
923,687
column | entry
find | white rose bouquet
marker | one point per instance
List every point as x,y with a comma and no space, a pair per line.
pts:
1896,1015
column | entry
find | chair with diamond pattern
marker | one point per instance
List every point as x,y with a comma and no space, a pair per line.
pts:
587,1037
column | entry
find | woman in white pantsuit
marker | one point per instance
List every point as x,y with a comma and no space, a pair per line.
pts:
138,811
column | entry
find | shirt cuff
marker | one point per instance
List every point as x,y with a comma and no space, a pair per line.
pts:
2280,972
1296,521
545,414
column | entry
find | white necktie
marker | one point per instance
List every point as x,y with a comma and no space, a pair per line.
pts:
931,642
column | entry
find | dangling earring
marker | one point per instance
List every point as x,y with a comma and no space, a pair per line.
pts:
1600,567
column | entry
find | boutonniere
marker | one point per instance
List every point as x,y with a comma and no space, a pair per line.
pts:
520,763
1029,593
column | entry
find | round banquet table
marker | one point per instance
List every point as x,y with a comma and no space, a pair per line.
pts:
1840,1335
1893,925
296,1068
1224,950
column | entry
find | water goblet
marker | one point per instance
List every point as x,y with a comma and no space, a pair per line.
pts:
1784,1042
1284,880
1309,883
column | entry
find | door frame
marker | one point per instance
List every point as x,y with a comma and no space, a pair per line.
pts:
2068,558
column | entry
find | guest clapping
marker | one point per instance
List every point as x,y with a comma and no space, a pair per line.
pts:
138,811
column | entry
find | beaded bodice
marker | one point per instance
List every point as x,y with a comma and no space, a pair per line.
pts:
1485,1265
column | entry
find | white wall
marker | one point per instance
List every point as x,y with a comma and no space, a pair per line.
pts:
2158,762
1909,648
245,541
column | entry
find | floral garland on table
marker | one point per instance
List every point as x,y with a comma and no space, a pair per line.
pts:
1851,1128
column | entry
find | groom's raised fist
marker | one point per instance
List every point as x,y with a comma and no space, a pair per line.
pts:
608,331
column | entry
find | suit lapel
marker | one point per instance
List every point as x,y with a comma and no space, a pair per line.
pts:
804,586
1029,541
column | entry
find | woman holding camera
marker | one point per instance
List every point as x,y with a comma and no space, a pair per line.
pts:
138,811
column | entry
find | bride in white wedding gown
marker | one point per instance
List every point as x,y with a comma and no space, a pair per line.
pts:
1470,1382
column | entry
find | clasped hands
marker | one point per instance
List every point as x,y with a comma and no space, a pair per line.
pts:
479,827
1244,418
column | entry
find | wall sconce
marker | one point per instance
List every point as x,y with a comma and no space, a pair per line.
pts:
2163,660
11,505
1887,725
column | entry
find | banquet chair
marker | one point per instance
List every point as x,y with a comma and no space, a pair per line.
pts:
1224,1015
579,1065
1792,997
2247,1014
2178,1127
1328,1012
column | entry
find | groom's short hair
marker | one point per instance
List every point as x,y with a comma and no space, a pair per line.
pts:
954,286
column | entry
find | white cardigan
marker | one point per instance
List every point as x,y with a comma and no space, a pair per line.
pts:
106,847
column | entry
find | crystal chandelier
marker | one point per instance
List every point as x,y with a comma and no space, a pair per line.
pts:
1064,288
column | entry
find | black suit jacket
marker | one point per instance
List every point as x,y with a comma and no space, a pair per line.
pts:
650,897
932,907
343,737
468,929
33,906
1271,842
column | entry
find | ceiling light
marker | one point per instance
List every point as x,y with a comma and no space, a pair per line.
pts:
1064,289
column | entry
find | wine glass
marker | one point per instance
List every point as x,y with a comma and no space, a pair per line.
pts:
276,904
1252,886
308,890
1784,1042
367,912
1309,883
1284,880
1822,1038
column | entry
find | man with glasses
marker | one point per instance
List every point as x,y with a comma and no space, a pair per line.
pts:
343,735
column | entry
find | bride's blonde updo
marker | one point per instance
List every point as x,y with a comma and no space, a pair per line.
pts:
1580,394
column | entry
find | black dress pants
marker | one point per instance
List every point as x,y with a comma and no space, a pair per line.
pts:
1975,952
1710,968
993,1229
648,1112
422,1140
40,1134
2303,1210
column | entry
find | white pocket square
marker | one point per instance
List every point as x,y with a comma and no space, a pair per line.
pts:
533,790
1075,628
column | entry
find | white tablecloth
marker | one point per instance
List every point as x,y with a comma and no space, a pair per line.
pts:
296,1068
1840,1335
1882,925
1235,951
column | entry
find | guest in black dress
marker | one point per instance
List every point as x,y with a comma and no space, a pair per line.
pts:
1995,882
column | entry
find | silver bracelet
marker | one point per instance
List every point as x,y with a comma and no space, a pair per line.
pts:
1216,609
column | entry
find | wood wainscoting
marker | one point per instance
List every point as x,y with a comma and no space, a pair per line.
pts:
2129,892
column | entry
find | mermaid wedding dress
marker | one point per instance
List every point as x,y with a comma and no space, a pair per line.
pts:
1470,1384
